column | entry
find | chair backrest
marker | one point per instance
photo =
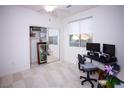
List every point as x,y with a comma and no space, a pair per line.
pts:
81,60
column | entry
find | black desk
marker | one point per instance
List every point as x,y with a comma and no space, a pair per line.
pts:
100,65
96,58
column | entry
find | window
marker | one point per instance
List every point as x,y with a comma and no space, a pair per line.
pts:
85,38
80,32
74,40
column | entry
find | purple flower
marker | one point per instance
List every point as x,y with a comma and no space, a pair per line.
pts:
108,69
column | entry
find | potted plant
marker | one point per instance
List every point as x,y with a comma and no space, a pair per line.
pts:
110,76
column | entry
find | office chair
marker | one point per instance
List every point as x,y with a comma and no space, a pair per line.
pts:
81,61
86,67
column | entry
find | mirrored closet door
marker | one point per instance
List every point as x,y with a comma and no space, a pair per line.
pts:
53,45
44,45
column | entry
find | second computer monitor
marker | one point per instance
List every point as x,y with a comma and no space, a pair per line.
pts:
109,49
95,47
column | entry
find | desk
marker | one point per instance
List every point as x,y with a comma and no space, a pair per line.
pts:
100,65
97,62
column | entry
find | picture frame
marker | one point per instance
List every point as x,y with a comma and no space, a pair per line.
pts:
42,52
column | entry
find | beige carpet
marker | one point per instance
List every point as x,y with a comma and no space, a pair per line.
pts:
52,75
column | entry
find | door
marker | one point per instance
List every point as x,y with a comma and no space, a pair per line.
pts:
53,45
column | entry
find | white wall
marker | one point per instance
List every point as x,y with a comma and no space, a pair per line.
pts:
1,17
15,36
107,28
122,43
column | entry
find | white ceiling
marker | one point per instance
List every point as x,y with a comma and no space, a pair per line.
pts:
60,10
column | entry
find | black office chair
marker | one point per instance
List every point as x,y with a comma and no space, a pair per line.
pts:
86,67
81,61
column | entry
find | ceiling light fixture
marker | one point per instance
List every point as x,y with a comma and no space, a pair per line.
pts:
49,8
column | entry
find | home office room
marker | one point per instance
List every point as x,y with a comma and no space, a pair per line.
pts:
48,44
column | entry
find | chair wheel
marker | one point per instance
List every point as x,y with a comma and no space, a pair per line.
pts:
98,86
92,86
82,83
81,77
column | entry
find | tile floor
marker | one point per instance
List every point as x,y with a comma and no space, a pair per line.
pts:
52,59
49,75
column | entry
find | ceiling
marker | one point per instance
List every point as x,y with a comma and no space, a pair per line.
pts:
60,10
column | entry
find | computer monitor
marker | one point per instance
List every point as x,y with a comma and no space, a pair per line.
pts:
95,47
109,49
